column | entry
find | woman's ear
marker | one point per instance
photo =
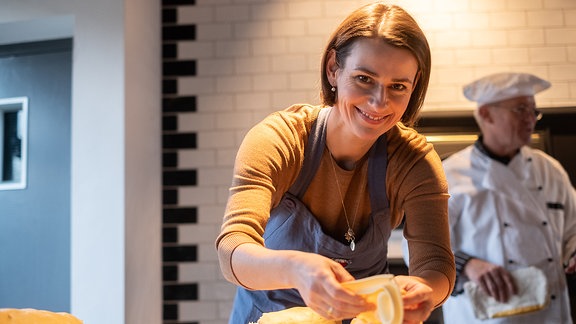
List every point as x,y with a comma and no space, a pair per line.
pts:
331,67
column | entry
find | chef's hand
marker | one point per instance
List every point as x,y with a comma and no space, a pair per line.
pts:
318,279
417,298
571,267
492,279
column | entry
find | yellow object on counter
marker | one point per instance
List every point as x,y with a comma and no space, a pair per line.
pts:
382,291
35,316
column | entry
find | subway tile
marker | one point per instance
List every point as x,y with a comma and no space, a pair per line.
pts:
170,197
181,253
169,159
170,311
180,215
179,32
169,123
169,15
179,68
170,273
180,178
169,50
181,140
179,104
178,2
169,86
180,292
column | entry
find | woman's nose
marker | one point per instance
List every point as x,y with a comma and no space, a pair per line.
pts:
378,97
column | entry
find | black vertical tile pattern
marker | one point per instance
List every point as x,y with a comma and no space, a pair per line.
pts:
169,51
179,141
169,86
170,160
170,123
181,253
170,273
181,291
179,32
180,178
178,2
180,215
179,104
170,235
179,68
170,197
170,312
169,15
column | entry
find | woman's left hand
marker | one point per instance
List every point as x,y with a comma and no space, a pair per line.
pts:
417,298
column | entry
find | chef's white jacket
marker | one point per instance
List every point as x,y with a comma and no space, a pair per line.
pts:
514,215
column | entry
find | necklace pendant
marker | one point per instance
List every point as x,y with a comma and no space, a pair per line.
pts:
349,236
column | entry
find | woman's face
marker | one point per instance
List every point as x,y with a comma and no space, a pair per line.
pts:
374,87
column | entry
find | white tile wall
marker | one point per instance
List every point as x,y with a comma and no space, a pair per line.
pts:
257,56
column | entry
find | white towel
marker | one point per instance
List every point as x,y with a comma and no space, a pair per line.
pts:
532,295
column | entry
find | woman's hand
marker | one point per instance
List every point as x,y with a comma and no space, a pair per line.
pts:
492,279
417,298
318,279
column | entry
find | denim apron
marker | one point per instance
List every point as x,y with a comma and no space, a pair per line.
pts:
293,227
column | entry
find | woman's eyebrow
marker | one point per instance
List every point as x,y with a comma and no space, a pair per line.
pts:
368,71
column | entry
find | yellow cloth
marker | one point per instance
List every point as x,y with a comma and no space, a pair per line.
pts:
269,161
35,316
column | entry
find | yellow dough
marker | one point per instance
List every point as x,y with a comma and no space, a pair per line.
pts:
295,315
382,291
34,316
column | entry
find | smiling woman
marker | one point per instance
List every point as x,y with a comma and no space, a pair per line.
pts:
13,142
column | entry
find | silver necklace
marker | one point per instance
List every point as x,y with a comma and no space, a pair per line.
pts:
350,236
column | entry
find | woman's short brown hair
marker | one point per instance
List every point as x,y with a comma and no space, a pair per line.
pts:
396,27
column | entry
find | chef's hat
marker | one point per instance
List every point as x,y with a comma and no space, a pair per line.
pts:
502,86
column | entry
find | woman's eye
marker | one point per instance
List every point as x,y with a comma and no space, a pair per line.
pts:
364,79
399,87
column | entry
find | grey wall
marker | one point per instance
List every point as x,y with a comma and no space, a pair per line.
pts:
35,221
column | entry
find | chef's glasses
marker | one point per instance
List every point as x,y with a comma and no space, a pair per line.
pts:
524,110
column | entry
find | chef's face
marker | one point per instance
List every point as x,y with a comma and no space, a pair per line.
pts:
513,121
374,87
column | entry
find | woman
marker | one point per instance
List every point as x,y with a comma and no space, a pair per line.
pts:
317,189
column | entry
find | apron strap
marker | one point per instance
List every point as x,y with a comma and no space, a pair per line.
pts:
312,154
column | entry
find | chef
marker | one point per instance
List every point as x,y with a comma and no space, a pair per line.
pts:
511,206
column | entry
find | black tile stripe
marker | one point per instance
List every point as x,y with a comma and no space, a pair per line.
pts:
170,312
180,178
180,140
170,273
170,235
181,291
170,197
170,160
180,215
169,86
179,68
169,15
169,50
179,104
179,32
181,253
170,123
178,2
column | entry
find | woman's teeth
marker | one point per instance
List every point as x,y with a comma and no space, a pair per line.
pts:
369,116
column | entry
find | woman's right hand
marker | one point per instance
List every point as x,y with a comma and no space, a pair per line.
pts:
318,280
